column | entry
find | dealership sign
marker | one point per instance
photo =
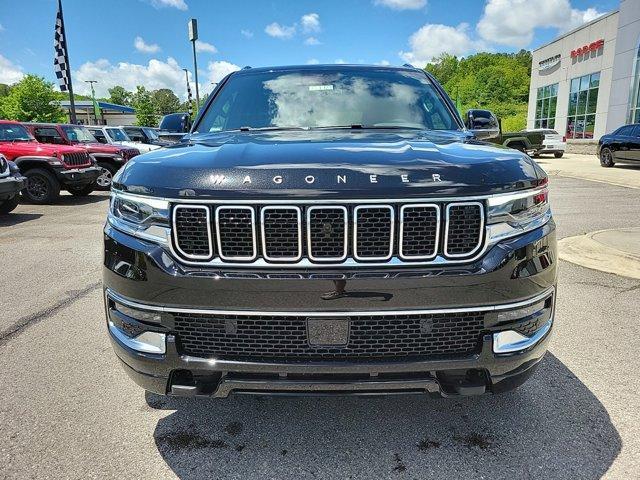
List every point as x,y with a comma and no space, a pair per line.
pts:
592,47
549,63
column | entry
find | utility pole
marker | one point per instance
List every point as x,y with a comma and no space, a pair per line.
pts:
193,36
96,110
189,98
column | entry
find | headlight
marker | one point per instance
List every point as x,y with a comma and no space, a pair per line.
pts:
517,213
143,217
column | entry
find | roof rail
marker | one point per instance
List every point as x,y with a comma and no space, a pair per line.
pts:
408,65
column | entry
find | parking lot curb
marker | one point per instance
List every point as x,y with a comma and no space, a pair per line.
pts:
603,250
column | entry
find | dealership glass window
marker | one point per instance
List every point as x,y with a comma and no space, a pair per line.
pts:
546,103
583,103
634,111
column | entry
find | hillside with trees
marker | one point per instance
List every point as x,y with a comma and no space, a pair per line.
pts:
494,81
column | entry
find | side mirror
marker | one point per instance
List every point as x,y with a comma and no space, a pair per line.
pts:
483,124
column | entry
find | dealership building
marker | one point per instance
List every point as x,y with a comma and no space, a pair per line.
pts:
586,82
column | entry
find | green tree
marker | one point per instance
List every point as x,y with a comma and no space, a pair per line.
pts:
119,95
146,113
165,101
495,81
32,99
4,90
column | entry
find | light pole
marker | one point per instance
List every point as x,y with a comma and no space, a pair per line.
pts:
193,36
96,110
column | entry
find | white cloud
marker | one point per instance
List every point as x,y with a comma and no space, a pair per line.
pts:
1,28
154,75
144,47
205,47
280,31
499,25
402,4
383,63
433,39
179,4
310,23
313,61
218,70
246,33
312,41
9,72
340,61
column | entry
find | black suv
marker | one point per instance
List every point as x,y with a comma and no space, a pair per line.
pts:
330,229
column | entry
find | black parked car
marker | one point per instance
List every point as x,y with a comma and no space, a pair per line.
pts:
330,229
621,146
146,135
11,184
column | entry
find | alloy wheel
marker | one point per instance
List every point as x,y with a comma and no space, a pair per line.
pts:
104,180
37,187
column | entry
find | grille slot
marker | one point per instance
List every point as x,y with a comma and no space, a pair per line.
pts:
77,159
192,232
373,227
236,227
281,233
384,337
464,225
327,233
419,231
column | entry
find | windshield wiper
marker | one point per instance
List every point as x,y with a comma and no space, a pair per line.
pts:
360,126
268,129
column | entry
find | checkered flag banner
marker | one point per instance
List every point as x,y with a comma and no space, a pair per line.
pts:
60,63
189,97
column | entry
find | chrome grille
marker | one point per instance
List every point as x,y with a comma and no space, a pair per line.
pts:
465,223
79,159
192,232
236,228
281,233
373,227
419,231
373,337
325,235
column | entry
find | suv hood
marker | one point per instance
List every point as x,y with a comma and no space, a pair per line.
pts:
34,148
329,163
99,147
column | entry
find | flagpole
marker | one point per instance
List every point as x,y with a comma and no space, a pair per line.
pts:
72,103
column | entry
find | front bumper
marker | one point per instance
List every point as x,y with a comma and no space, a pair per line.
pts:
518,272
11,185
77,176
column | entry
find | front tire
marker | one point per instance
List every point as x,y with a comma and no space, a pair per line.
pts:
558,154
82,191
42,187
518,146
103,182
606,158
9,205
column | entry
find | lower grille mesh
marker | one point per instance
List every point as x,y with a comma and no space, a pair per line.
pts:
389,337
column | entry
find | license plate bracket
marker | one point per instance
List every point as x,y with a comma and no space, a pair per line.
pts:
328,331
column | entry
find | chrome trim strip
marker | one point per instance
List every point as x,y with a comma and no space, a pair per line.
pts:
401,236
264,236
520,342
329,313
346,233
221,255
446,231
328,201
138,345
174,233
392,232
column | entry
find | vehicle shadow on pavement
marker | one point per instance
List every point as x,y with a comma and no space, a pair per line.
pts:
18,218
551,427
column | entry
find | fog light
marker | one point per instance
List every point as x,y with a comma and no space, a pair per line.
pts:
142,315
512,315
147,342
511,341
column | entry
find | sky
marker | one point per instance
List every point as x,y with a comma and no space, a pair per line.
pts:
145,42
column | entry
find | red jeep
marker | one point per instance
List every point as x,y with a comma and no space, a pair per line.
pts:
109,157
48,168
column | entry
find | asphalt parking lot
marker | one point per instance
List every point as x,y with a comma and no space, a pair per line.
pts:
67,410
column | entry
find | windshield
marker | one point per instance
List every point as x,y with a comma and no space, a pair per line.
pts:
366,98
79,134
151,133
12,133
117,135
